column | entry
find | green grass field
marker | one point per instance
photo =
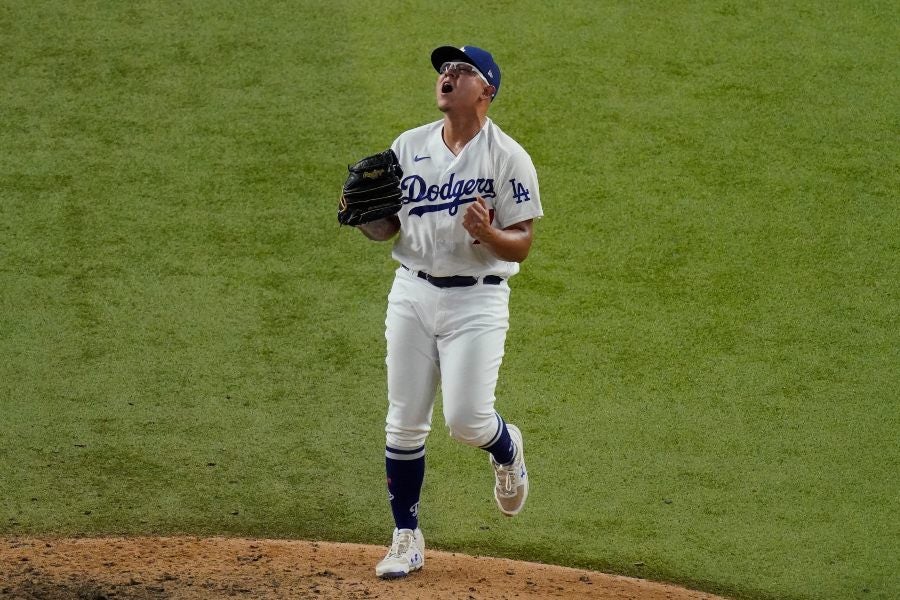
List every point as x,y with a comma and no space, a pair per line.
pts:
705,340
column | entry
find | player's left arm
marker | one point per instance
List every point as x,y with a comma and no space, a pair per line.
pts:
381,230
510,243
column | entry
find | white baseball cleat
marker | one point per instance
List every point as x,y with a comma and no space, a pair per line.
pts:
511,488
407,554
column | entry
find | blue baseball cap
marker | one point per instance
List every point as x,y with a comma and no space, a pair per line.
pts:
479,58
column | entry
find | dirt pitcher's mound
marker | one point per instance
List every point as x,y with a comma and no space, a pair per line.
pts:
189,568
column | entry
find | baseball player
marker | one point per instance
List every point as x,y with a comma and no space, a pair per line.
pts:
468,195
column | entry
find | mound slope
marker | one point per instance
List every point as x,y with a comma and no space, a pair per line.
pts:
200,568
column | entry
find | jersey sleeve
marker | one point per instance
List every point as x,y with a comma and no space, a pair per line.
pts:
395,146
518,195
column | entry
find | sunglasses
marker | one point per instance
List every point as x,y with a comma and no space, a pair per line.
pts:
462,67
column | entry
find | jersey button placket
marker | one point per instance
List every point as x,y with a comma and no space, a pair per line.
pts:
443,229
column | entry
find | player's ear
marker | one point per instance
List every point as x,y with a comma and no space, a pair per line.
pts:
488,92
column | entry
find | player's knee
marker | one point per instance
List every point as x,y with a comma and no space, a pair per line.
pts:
469,431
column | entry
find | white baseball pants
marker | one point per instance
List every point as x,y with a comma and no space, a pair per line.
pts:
451,336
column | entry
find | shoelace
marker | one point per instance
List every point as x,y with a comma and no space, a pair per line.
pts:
399,548
507,478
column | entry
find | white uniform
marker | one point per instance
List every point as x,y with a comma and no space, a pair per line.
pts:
451,335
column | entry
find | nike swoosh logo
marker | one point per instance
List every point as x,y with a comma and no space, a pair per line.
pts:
417,158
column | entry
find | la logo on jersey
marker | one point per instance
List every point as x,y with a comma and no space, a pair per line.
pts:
454,193
520,192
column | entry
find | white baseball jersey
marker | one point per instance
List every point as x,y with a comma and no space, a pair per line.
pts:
438,188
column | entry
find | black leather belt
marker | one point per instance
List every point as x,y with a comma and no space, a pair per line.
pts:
455,280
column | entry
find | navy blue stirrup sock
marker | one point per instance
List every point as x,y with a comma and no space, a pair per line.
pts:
501,447
405,475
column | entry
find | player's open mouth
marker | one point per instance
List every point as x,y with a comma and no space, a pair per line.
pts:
446,87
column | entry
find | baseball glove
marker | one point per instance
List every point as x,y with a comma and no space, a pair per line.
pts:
372,190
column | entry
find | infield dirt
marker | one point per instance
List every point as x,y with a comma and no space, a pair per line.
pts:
207,568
